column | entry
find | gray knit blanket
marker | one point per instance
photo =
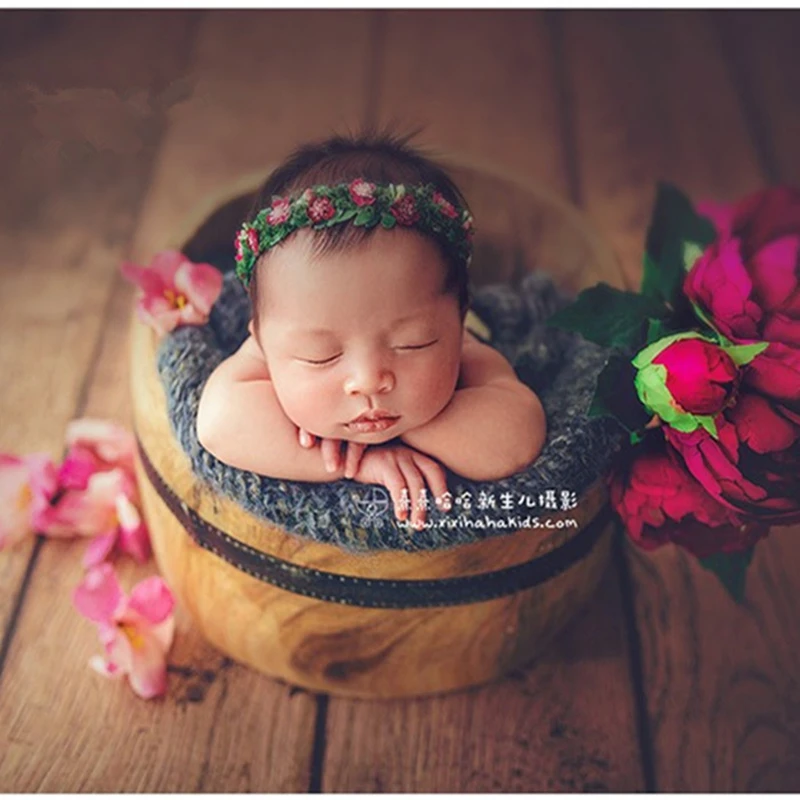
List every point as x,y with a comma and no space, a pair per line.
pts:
559,366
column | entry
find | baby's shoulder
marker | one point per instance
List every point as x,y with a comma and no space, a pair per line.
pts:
248,362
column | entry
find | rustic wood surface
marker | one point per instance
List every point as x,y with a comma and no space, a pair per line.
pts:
116,125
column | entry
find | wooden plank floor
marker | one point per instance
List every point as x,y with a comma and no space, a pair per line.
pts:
116,125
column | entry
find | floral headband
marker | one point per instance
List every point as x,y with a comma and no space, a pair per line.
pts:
365,204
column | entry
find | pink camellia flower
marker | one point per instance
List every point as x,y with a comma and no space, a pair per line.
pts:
175,291
136,630
404,210
660,502
27,484
95,445
362,192
753,465
279,212
103,509
320,209
748,284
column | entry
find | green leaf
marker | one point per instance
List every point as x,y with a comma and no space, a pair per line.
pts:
388,221
677,234
742,354
609,317
731,569
691,252
365,216
615,395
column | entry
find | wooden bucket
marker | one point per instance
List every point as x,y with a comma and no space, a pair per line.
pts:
386,623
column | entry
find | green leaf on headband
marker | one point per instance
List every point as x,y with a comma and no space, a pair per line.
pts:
609,317
365,216
388,221
676,237
731,569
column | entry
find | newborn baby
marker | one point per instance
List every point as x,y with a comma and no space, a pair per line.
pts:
358,364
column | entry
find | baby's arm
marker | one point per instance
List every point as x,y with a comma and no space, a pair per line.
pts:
493,426
242,423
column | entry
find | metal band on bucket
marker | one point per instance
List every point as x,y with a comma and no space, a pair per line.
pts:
376,592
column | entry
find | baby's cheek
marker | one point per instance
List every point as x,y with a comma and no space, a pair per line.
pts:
307,401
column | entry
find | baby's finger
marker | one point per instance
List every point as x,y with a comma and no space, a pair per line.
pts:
352,458
434,475
393,481
330,454
416,487
306,439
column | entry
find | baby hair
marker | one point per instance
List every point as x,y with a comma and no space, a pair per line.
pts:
375,156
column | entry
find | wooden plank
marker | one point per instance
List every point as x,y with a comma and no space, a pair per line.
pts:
68,202
719,680
209,734
567,722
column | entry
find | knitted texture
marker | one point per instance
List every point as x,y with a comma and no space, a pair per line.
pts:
559,366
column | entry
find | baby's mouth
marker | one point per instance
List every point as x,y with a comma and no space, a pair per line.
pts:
372,424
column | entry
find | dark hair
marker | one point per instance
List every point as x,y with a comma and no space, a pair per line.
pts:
376,156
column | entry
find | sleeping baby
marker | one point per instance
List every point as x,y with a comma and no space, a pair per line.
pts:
358,363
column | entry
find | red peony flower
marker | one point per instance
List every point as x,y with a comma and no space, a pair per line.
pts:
362,192
320,209
753,467
404,210
660,502
700,375
748,283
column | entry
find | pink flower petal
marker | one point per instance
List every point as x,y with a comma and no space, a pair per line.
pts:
78,466
148,280
99,594
166,264
108,669
152,600
111,442
134,538
760,427
15,500
140,655
773,269
99,549
200,284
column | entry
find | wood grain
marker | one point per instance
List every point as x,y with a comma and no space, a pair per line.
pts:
71,191
535,732
186,742
654,99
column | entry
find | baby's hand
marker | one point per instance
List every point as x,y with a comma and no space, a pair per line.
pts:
399,467
331,455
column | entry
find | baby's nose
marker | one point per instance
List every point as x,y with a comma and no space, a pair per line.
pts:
370,379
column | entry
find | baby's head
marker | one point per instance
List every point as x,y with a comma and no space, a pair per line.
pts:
354,319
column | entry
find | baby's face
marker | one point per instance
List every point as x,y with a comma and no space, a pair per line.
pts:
361,330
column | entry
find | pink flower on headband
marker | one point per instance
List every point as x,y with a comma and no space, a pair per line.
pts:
362,192
281,209
320,208
404,210
174,290
446,206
